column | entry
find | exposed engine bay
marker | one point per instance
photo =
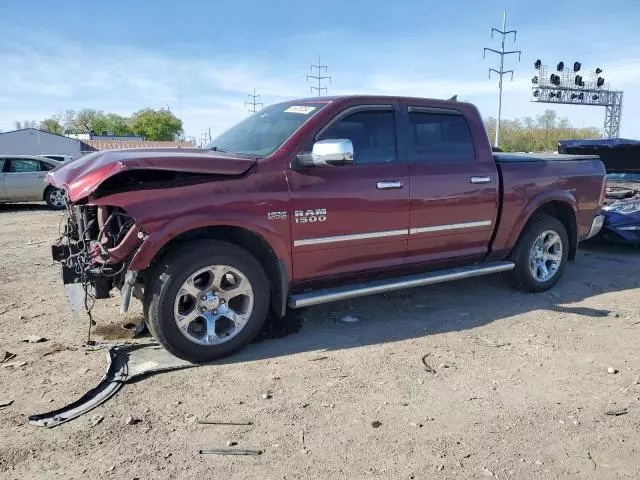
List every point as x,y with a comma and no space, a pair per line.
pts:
95,246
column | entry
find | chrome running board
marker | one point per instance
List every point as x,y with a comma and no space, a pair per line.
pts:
379,286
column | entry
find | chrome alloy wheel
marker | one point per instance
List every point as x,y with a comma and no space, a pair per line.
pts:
545,256
57,198
213,305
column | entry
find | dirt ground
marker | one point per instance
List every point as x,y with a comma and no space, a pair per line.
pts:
520,389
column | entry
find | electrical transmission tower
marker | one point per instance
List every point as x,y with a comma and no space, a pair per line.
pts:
503,35
319,78
253,103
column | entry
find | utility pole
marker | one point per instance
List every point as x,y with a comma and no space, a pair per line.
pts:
503,35
253,103
319,77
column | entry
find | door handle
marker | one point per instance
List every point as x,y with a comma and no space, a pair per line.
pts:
485,179
388,185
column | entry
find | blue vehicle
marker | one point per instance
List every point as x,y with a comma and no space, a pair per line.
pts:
621,158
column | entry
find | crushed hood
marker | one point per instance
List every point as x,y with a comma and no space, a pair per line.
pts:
81,177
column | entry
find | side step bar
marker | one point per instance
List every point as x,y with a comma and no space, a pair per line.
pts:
379,286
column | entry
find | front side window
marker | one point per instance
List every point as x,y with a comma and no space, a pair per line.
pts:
372,133
440,137
23,166
264,132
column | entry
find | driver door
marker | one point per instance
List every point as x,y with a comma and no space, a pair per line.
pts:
352,217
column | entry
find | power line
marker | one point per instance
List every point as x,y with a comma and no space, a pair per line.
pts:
503,35
319,77
253,103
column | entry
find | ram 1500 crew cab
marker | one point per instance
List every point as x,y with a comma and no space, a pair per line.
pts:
316,200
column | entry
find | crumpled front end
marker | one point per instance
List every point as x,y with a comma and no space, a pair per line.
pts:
95,248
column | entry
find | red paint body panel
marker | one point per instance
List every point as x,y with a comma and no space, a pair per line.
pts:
529,185
82,176
433,194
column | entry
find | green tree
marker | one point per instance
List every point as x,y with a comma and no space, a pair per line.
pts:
156,124
117,124
539,134
86,120
52,124
25,124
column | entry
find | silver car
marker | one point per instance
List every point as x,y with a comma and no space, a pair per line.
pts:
22,179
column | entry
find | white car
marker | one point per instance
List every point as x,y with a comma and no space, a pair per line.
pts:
58,158
22,179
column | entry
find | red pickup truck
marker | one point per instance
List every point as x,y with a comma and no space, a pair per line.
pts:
316,200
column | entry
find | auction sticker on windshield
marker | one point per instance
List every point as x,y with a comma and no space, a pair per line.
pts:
303,109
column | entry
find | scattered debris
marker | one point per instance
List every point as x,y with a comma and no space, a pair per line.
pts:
204,421
131,420
487,472
229,451
615,412
231,443
612,370
538,462
316,359
95,420
14,364
302,436
8,308
376,424
491,343
267,395
5,403
414,424
55,348
427,367
34,339
589,457
349,319
5,356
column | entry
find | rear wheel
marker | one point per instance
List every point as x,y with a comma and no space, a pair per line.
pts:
207,300
541,254
55,198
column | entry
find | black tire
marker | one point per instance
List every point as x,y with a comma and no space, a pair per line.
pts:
49,195
522,277
167,277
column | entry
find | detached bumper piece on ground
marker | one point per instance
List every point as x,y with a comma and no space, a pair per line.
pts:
124,364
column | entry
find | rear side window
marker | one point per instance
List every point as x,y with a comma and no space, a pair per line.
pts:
23,166
440,137
372,132
45,167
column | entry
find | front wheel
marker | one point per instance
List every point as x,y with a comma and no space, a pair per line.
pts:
541,254
207,300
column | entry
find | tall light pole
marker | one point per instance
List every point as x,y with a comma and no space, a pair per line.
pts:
503,35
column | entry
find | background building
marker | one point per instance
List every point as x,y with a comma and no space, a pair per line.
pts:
31,141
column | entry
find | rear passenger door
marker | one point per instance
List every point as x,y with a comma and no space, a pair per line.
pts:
24,179
352,217
454,192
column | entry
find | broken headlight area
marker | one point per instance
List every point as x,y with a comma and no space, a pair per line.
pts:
95,247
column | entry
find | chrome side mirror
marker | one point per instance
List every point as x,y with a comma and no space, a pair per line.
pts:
328,153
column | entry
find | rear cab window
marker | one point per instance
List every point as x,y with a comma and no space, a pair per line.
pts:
439,135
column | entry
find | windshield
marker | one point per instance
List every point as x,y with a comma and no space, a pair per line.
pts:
265,131
623,177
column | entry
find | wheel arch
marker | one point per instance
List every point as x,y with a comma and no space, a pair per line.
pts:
562,208
249,240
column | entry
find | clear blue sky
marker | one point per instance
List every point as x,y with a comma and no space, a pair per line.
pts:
201,58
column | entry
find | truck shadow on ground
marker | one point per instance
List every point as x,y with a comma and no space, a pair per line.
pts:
452,307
